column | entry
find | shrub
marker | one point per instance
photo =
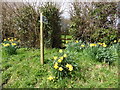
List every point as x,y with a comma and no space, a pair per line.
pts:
89,21
105,35
52,29
23,22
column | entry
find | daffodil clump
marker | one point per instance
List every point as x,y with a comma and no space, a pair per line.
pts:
63,65
10,45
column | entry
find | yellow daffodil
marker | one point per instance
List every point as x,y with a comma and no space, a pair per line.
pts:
15,39
104,45
8,38
12,40
60,51
65,55
4,39
70,68
50,78
99,43
55,66
67,65
82,45
66,41
55,57
60,68
76,41
91,45
115,41
59,60
6,44
14,44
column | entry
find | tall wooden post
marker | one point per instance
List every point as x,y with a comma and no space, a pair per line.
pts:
41,40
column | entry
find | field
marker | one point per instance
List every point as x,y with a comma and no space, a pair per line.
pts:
23,70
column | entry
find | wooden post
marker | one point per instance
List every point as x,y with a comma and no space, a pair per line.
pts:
41,40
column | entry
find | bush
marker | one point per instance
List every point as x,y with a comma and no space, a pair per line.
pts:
52,29
104,35
23,22
90,23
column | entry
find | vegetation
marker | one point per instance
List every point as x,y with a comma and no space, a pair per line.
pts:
81,65
89,60
52,29
26,26
94,22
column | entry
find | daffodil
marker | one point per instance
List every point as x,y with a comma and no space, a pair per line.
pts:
65,55
82,45
60,68
66,41
100,43
12,40
67,65
60,51
14,44
115,41
55,57
55,66
104,45
15,38
59,60
6,44
4,39
76,41
91,45
50,78
70,68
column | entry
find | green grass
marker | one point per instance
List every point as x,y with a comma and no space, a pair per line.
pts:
24,70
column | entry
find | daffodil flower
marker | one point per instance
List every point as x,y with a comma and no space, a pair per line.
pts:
50,78
65,55
59,60
60,51
82,45
55,57
60,68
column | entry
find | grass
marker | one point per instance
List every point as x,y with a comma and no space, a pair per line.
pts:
24,70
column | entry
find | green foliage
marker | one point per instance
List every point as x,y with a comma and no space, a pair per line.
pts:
107,54
97,51
9,46
63,65
52,29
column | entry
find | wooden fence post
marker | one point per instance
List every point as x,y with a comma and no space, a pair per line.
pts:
41,40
